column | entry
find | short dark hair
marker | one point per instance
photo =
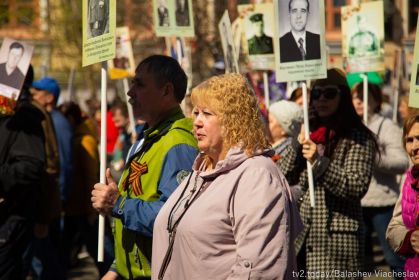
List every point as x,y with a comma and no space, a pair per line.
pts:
289,5
16,45
166,69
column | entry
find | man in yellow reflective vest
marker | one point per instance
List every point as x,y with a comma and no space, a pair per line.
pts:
155,168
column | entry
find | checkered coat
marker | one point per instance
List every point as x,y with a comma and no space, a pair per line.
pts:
333,231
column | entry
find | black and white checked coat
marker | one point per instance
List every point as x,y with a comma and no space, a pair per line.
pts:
333,230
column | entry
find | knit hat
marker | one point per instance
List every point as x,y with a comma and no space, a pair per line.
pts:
289,115
335,76
48,84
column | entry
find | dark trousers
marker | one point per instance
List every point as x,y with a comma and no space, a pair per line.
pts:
377,219
15,236
78,231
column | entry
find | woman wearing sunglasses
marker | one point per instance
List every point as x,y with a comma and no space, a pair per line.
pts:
378,203
342,151
233,217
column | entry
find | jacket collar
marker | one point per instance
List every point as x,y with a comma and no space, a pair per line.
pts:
235,156
162,127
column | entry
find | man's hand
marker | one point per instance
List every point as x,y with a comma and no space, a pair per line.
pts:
414,241
105,196
110,275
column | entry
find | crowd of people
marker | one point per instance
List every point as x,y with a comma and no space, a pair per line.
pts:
220,194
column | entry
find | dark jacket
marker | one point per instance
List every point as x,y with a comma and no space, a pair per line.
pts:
22,161
50,202
290,52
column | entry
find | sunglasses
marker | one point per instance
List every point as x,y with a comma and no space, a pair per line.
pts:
328,92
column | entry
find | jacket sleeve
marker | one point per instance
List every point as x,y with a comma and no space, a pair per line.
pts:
396,230
292,162
138,215
260,216
393,158
352,179
65,139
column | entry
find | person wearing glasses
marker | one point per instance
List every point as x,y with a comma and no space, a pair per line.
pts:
342,151
299,44
378,203
234,216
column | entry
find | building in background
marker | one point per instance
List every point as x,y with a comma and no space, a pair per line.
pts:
53,26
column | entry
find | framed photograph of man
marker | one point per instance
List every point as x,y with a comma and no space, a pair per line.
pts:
363,37
227,42
397,68
98,18
258,21
300,48
99,23
122,65
414,77
15,57
173,18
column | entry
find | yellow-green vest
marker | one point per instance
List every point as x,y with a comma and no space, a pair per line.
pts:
133,250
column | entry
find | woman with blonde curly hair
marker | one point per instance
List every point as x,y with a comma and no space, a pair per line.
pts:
233,217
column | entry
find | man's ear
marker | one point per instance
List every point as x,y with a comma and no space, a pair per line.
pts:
169,89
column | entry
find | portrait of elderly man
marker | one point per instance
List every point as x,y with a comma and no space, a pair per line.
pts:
182,13
163,13
98,17
299,44
10,74
260,43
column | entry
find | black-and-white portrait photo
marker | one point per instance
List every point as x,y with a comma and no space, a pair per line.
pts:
259,43
121,60
10,74
182,13
163,13
229,55
98,18
15,57
297,43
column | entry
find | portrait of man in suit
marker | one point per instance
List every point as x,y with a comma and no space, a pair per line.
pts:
98,17
299,44
260,43
163,13
182,13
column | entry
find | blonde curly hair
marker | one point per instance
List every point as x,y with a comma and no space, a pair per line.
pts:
233,100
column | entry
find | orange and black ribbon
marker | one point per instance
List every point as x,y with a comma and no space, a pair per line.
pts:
134,177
